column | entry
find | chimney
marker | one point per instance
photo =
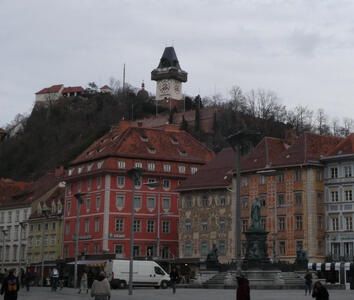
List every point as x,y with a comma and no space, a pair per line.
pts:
290,136
123,126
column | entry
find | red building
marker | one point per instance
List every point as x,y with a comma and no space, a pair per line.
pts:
167,156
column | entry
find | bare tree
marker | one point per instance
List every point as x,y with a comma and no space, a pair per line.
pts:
238,100
300,118
322,126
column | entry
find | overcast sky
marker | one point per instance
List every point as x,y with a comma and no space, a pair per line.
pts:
301,50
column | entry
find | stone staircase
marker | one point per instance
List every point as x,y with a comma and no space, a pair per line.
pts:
292,279
217,281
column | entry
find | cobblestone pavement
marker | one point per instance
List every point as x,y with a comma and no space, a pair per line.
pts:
185,294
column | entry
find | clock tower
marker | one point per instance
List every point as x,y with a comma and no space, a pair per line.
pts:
169,77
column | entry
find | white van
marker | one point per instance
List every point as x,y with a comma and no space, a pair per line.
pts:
145,273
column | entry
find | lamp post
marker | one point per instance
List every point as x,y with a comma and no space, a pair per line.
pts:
239,141
4,233
22,227
80,200
135,175
45,214
159,185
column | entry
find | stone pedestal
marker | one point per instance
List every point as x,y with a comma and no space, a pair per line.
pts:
257,247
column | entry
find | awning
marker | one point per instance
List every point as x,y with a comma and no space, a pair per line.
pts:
90,263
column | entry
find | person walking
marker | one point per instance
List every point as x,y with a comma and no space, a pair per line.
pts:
27,279
243,288
54,276
11,286
101,289
83,282
308,283
174,278
319,291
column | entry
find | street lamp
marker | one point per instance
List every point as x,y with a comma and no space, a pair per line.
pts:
45,212
135,175
80,201
22,227
4,233
239,141
159,185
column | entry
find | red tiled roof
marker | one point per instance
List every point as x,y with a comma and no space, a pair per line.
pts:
72,89
345,147
2,130
308,148
9,187
215,174
148,143
31,192
52,89
105,87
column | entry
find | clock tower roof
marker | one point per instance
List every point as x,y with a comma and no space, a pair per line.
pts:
169,67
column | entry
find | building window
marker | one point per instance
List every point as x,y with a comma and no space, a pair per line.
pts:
222,200
138,165
244,181
334,196
98,202
319,246
16,233
319,222
334,172
120,201
45,240
118,249
99,179
137,202
166,203
281,223
348,195
9,217
262,179
222,226
67,228
151,203
166,168
38,241
222,248
204,248
166,184
70,187
298,198
298,175
205,201
335,223
89,167
204,226
281,177
348,223
79,186
319,175
194,170
188,226
188,202
87,226
263,200
138,182
46,226
68,207
182,169
100,163
281,199
150,226
97,224
244,225
319,198
282,247
348,171
38,227
119,225
166,227
187,249
96,248
17,218
298,222
88,204
120,181
244,202
121,164
151,167
137,225
263,223
86,249
89,184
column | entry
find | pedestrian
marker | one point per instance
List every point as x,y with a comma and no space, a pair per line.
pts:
11,286
83,282
308,283
319,291
243,288
54,276
27,279
101,289
174,278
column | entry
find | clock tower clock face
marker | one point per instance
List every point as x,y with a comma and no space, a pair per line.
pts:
164,86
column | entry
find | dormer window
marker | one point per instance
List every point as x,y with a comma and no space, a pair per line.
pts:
174,140
138,165
89,167
71,171
194,170
121,164
101,149
103,140
79,170
115,137
90,153
151,150
182,152
99,164
167,168
143,137
151,167
182,169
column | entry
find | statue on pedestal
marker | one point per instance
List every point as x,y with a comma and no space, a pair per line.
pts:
301,256
256,215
